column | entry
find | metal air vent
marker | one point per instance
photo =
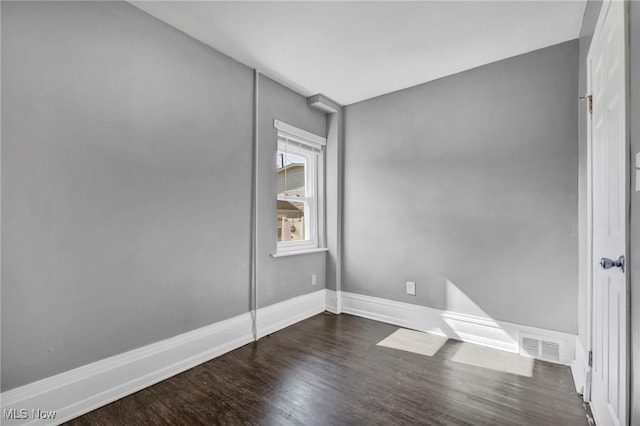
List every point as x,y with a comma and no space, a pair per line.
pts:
540,348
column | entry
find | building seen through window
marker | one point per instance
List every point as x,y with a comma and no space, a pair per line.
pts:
291,196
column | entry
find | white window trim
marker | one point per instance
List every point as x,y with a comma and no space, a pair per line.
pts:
298,134
295,253
301,142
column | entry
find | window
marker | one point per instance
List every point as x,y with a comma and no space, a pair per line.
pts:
299,161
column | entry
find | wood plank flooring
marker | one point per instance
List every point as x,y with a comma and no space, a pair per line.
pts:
328,370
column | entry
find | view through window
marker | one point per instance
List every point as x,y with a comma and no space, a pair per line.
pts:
292,200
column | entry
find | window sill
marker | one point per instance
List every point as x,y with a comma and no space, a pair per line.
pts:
297,252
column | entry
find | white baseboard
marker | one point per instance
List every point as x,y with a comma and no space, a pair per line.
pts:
86,388
333,302
283,314
580,368
468,328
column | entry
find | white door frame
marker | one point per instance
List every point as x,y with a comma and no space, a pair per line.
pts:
590,223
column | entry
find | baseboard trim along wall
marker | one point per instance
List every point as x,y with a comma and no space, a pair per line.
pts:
333,302
86,388
65,396
467,328
283,314
580,368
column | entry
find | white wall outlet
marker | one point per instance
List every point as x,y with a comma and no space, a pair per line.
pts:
314,279
411,288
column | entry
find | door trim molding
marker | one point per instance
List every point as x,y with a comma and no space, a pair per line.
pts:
580,369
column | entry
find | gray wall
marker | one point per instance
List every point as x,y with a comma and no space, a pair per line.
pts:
123,222
634,251
284,277
470,179
126,185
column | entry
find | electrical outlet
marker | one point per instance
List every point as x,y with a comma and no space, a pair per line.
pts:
314,279
411,288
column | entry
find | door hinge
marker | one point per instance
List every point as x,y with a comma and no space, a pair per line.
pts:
590,358
589,99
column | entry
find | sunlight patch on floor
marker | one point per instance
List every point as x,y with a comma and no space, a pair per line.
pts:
493,359
414,341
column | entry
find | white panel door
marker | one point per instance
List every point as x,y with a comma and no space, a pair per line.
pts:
609,145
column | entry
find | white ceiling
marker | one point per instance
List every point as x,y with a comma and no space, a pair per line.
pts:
356,50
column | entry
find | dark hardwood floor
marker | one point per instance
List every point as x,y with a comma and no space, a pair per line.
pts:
327,370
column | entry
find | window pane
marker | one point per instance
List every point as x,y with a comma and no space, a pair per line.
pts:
291,173
290,221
